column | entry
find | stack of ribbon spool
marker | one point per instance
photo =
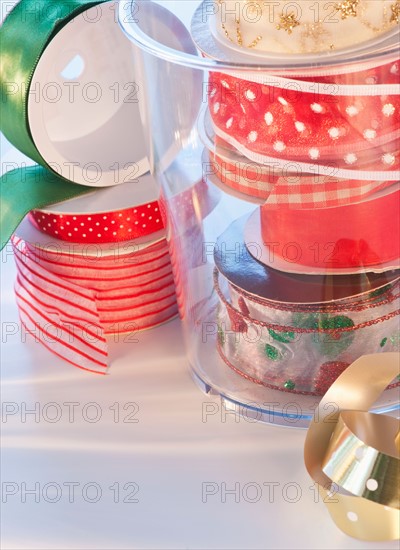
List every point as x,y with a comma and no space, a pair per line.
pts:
72,293
91,251
317,284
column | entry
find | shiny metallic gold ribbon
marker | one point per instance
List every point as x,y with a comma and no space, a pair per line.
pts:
353,455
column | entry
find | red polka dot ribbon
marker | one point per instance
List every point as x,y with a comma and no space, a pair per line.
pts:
108,227
347,122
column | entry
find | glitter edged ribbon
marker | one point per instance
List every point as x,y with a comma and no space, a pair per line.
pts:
353,455
265,341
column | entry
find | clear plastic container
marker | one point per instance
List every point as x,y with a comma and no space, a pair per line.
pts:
293,272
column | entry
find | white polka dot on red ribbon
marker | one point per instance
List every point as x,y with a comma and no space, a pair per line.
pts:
106,227
324,127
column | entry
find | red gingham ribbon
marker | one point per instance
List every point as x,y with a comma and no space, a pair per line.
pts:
294,190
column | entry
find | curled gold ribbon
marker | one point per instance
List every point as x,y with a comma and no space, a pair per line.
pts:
353,455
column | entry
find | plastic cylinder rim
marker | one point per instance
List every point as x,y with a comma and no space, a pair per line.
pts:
307,61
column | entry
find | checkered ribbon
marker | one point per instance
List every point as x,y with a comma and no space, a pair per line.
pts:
286,187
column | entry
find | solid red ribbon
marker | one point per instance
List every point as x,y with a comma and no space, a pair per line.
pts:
352,236
108,227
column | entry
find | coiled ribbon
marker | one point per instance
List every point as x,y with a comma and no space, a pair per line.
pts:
353,455
117,226
319,124
73,292
70,302
65,135
289,184
24,35
303,348
293,332
357,235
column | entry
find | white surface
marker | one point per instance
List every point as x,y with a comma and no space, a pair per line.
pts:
171,453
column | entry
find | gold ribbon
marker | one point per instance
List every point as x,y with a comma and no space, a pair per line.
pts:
353,455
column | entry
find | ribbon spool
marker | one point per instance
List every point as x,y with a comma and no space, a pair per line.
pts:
72,293
346,239
297,333
70,296
273,184
73,109
103,216
211,39
353,455
326,29
331,135
331,120
58,106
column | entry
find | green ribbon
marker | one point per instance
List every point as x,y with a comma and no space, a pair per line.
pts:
26,189
24,35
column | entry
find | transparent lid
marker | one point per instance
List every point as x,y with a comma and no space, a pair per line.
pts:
136,20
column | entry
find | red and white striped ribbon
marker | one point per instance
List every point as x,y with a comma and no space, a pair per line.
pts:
70,302
74,291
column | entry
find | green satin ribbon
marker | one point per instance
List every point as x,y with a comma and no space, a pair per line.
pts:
24,35
31,188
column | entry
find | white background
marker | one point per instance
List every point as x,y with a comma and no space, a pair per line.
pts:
170,453
183,440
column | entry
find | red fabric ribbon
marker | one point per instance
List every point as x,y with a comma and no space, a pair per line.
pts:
319,127
70,302
290,189
246,177
108,227
352,236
